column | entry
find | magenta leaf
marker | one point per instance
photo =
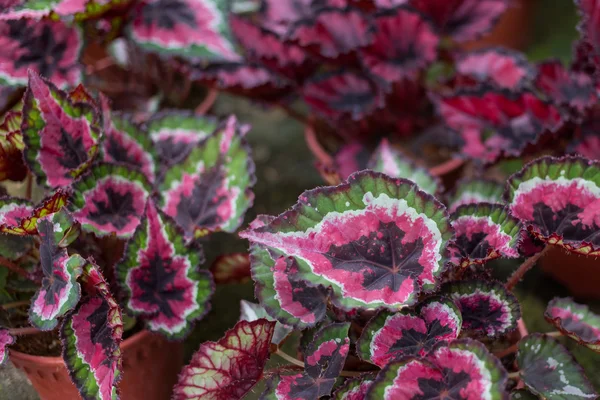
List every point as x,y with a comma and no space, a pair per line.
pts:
333,33
231,268
19,217
91,336
229,368
558,199
61,136
340,95
323,362
394,256
60,291
463,20
279,15
463,370
161,276
392,336
353,389
5,340
576,321
501,67
477,190
494,123
487,308
589,26
483,232
49,48
110,199
350,158
566,88
550,371
404,44
211,190
189,28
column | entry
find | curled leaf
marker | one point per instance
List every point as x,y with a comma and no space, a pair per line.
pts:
576,321
5,340
231,268
19,217
251,312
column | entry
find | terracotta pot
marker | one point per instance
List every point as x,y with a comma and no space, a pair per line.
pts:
580,274
513,28
150,368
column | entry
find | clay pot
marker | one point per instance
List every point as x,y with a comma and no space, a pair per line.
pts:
580,274
150,367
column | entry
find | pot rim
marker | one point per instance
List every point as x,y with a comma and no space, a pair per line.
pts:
57,361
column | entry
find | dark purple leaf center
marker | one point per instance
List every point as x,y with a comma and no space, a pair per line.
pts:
74,153
158,286
119,153
475,248
172,151
414,342
100,331
449,387
353,102
381,257
479,315
50,255
117,211
168,13
566,223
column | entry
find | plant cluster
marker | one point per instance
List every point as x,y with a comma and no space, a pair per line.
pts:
385,276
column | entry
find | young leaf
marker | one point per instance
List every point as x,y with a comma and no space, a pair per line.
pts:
251,312
229,368
393,54
390,337
469,191
353,389
11,148
61,136
558,199
341,94
231,268
550,371
576,321
376,241
50,48
189,28
487,308
161,276
211,190
19,217
392,162
463,20
483,232
91,336
175,134
110,199
126,144
60,291
494,123
463,370
502,67
5,340
323,362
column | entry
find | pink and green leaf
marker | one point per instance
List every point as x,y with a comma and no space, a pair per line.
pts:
11,148
188,28
229,368
59,292
558,199
211,190
550,371
19,217
501,67
61,136
5,339
483,232
376,241
487,308
478,190
576,321
390,337
354,389
161,276
49,48
464,369
251,312
323,362
110,199
56,9
231,268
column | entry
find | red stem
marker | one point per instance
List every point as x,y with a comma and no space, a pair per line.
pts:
29,188
207,103
522,328
313,143
24,331
15,268
446,167
526,266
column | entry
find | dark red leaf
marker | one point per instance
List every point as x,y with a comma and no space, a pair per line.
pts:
504,68
566,88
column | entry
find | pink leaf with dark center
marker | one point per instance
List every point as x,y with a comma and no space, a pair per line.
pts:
576,321
504,68
161,276
50,48
403,45
229,368
389,337
566,88
463,20
343,95
558,199
5,340
231,268
496,123
61,137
